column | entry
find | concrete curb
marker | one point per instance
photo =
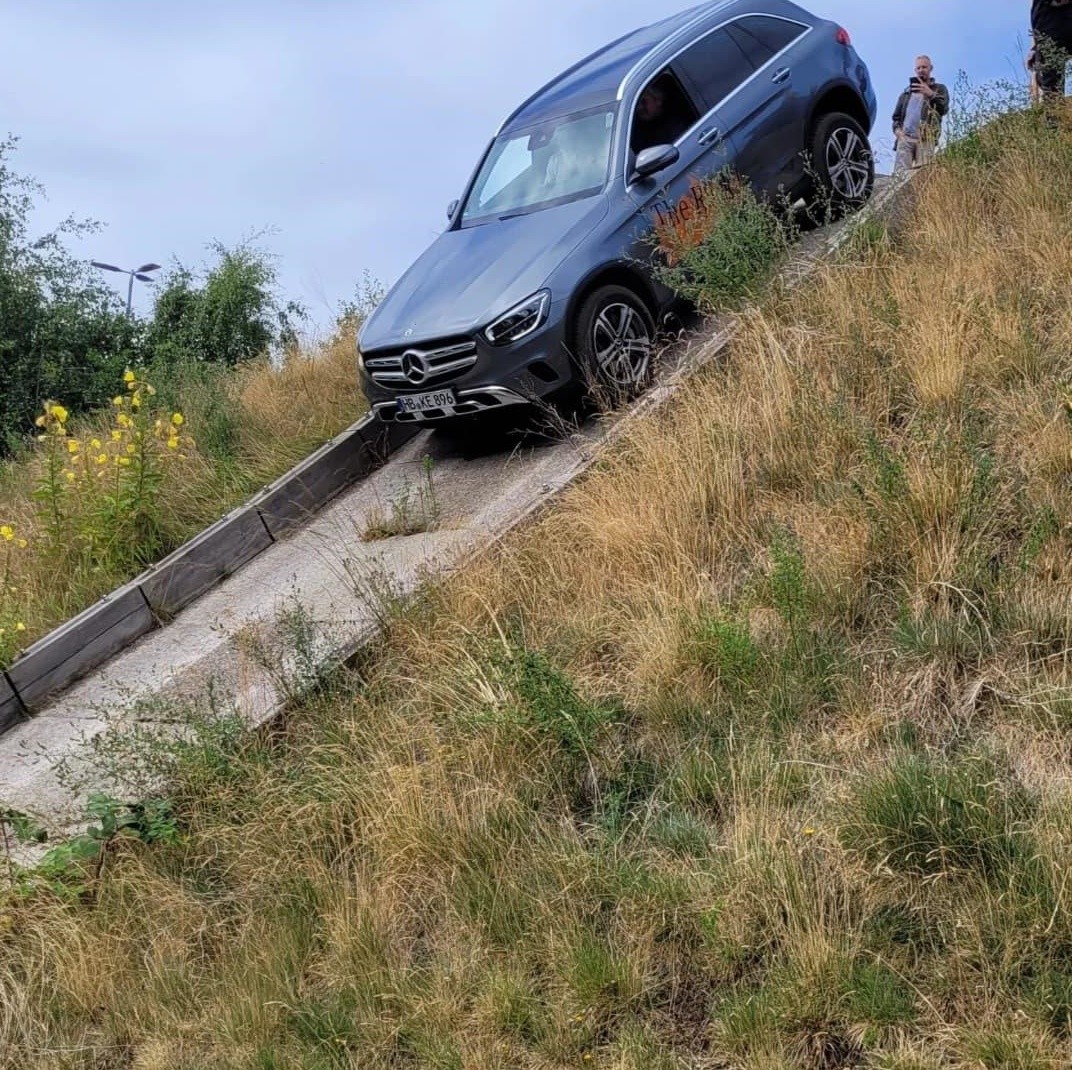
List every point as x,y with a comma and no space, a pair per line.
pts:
152,599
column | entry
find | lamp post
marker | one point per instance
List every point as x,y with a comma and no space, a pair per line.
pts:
134,273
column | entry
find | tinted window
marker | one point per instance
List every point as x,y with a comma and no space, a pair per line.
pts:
761,36
663,113
715,66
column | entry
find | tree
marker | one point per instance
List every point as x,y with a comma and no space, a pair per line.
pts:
233,314
63,333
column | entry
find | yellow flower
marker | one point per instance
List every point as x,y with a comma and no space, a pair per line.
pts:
117,401
117,435
7,532
176,419
123,420
72,445
95,443
22,544
124,461
102,458
60,413
809,831
172,443
150,389
132,449
20,627
128,376
40,421
68,475
135,402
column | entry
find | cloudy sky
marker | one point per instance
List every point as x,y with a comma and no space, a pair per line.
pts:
345,126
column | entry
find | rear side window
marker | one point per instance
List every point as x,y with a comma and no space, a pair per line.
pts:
761,36
715,66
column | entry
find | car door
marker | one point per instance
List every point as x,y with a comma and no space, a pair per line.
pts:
759,112
668,198
770,112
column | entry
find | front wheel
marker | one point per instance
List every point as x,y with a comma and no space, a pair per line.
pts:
613,342
843,163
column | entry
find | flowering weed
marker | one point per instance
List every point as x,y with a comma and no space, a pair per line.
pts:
12,625
98,494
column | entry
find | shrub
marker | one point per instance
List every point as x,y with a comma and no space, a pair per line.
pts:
719,243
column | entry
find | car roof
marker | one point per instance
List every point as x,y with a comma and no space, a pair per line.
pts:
596,78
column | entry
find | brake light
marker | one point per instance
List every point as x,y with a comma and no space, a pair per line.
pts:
843,37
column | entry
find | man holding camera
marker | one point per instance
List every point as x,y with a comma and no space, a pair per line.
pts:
1051,27
917,119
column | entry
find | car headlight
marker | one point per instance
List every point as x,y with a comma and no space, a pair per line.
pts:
520,321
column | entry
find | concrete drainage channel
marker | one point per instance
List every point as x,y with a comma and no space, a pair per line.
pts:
218,617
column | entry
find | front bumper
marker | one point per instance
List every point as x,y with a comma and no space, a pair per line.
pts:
520,374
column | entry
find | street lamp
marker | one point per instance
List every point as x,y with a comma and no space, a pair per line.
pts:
135,273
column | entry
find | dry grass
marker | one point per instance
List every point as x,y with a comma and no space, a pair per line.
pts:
752,754
250,425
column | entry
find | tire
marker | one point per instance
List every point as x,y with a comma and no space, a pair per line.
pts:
613,343
843,165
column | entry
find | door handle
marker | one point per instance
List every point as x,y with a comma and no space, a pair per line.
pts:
782,75
710,136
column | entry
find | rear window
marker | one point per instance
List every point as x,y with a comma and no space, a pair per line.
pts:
761,37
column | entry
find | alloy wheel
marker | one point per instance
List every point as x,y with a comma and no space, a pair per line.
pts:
622,345
848,163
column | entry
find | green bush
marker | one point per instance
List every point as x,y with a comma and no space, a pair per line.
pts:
228,316
719,245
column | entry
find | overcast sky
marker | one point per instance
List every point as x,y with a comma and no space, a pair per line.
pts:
344,125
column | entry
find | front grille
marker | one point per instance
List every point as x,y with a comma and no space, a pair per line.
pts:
419,365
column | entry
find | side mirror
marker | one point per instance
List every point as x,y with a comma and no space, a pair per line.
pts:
657,158
451,209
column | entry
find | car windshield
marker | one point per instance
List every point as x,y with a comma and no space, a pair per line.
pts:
556,162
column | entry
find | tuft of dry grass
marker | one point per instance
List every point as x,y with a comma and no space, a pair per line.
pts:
752,753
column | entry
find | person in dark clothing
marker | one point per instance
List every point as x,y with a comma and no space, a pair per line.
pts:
917,119
1051,24
654,123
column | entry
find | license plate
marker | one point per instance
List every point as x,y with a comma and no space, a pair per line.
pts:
434,399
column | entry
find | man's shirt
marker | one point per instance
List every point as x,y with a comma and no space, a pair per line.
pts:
913,119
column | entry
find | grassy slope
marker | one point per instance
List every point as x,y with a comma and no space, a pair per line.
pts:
250,425
755,753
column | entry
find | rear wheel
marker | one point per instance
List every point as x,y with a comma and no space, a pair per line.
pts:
613,341
843,165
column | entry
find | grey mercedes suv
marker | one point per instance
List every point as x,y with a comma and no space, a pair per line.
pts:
543,277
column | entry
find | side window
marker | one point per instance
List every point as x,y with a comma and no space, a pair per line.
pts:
761,36
663,112
715,66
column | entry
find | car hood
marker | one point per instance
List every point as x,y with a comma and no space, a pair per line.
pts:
468,277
